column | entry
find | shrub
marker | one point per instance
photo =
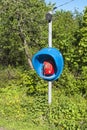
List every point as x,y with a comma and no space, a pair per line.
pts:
24,97
67,83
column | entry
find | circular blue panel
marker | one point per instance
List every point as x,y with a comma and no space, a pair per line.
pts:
48,54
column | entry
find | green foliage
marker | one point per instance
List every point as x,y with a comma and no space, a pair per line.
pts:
68,112
82,52
20,22
68,83
65,27
66,37
23,98
24,22
83,82
23,78
64,113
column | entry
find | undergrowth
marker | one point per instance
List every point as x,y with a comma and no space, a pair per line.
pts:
23,98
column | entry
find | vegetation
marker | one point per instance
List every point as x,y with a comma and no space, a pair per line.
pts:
23,95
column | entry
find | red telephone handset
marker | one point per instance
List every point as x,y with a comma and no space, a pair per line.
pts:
48,68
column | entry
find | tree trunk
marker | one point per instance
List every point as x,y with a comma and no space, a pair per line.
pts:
25,47
27,54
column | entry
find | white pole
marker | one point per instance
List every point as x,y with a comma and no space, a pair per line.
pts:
50,34
49,92
50,45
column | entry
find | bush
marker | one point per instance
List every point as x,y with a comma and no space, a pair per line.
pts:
83,82
67,83
24,97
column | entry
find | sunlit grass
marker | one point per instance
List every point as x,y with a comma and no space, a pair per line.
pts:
20,125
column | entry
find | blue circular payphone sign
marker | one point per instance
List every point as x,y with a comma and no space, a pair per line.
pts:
48,63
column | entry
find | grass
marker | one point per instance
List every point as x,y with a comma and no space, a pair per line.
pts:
22,110
20,125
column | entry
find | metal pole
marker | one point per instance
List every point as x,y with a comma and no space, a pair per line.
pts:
50,45
49,92
50,34
49,19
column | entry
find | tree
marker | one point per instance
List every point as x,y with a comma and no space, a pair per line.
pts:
21,29
82,52
65,28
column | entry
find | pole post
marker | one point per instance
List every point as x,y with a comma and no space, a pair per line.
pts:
49,19
50,45
50,34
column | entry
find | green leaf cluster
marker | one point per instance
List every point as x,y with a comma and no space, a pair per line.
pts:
23,97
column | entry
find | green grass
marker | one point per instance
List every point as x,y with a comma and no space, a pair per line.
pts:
23,109
20,125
